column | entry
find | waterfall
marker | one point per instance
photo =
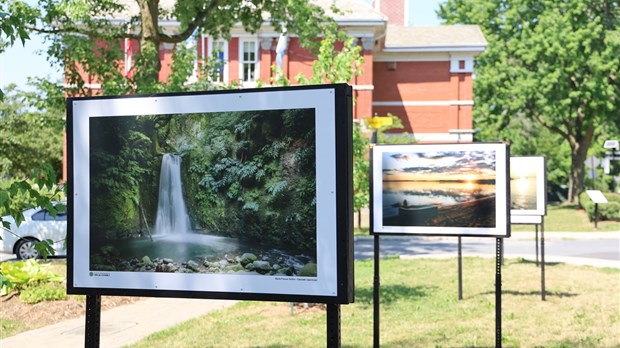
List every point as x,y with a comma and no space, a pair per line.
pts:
172,216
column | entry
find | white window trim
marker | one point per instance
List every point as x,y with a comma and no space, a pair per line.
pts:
210,48
257,66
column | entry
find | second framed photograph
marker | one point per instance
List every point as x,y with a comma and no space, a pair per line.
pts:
440,189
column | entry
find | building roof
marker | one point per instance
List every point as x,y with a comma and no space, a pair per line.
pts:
435,38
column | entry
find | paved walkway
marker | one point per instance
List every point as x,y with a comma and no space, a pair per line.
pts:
120,326
130,323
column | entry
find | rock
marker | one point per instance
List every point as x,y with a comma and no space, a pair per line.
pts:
193,265
285,270
165,267
146,260
234,268
167,260
247,258
308,270
262,267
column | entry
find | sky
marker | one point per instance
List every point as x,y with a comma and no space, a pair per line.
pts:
440,165
19,62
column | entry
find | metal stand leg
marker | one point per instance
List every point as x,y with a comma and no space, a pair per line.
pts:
333,325
460,261
536,245
93,321
542,261
376,294
498,293
502,251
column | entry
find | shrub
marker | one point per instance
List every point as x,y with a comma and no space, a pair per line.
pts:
20,275
608,211
45,292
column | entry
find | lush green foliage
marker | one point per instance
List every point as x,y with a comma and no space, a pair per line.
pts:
31,129
24,274
361,168
253,176
13,27
123,159
550,64
43,292
17,195
96,48
607,211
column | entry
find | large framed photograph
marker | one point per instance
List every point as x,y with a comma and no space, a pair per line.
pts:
440,189
528,185
226,195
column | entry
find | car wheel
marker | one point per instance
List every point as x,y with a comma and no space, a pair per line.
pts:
26,250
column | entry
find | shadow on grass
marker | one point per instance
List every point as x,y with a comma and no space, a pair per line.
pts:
392,293
533,262
584,342
531,293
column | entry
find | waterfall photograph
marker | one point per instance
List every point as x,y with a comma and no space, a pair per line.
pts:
215,193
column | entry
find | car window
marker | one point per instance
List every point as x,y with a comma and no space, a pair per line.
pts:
44,215
60,216
40,215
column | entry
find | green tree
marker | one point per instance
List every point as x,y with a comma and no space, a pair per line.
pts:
31,129
553,63
83,36
13,27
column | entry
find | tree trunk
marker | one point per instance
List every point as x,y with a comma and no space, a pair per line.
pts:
149,44
579,151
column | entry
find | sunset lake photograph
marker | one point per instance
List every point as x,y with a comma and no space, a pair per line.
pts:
439,188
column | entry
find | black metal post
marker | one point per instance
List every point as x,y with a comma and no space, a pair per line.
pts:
498,293
460,271
595,215
536,245
542,260
333,325
376,296
502,252
93,321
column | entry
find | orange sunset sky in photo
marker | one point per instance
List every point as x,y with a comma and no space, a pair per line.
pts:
466,166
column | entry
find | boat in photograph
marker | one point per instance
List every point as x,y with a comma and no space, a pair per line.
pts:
418,214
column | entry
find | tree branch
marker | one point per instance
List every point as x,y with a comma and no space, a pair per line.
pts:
198,21
82,31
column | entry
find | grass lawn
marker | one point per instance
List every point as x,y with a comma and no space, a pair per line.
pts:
559,218
420,309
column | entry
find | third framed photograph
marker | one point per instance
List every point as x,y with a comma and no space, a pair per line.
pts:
440,189
528,186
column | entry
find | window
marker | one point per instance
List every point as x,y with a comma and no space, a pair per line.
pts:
218,54
249,61
44,215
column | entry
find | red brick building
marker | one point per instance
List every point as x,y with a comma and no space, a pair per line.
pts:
421,74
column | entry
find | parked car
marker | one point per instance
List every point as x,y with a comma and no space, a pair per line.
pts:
38,225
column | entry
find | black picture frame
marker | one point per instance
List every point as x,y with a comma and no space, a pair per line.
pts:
331,106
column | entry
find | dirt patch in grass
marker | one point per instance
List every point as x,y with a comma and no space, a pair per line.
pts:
32,316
